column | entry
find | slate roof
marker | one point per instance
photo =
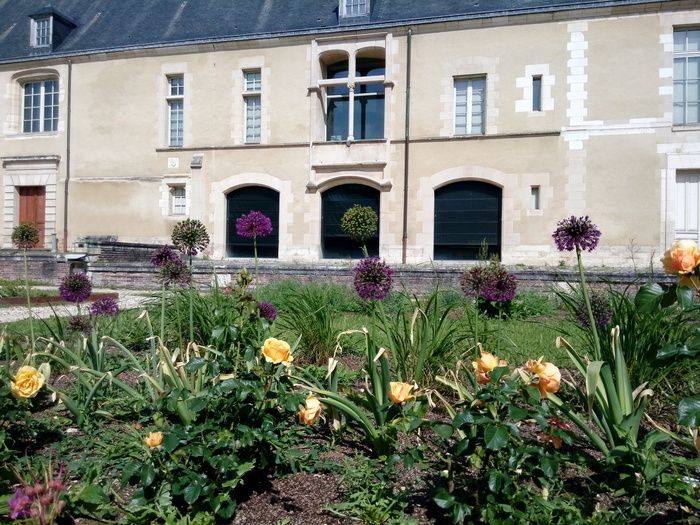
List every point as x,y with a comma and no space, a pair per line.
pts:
112,25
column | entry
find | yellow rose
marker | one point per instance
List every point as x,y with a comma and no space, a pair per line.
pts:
28,381
154,439
276,351
485,364
310,412
549,376
400,392
681,258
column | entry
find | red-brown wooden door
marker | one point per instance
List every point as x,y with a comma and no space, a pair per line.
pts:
32,206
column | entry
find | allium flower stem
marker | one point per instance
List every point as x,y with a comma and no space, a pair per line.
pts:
255,254
162,311
589,310
29,301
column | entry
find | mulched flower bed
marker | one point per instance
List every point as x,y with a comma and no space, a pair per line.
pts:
53,299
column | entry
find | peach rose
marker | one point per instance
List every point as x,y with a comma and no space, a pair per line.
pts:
27,382
549,376
485,364
310,412
276,351
154,439
400,392
681,258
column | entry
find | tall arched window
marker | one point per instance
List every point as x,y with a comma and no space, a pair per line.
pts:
355,99
334,203
467,216
242,201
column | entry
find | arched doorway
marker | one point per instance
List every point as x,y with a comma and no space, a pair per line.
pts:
334,203
467,215
242,201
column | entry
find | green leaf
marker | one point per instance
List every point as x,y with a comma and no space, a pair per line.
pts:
495,481
195,364
148,474
496,437
549,467
689,412
517,413
685,296
443,430
443,499
648,297
677,350
192,492
170,442
92,495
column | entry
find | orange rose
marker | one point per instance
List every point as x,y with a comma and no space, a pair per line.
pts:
310,412
154,439
485,364
400,392
549,376
276,351
681,258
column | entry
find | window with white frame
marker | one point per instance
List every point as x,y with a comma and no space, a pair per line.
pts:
470,105
355,99
42,29
537,93
253,105
178,200
534,198
354,7
40,106
686,76
176,110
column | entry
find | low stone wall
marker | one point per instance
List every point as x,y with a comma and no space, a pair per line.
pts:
135,271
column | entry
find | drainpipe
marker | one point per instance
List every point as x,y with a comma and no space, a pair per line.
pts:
407,134
65,184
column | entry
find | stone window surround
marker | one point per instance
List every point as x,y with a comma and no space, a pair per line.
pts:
12,127
238,122
162,93
29,171
524,105
165,201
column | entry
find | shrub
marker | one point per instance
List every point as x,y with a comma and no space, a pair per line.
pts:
360,223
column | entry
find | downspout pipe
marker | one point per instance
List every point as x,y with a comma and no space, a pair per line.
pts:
407,136
64,244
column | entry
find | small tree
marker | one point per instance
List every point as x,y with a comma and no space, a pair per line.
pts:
25,236
360,223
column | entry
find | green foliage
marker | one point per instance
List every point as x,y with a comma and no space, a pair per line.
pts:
370,494
424,339
360,223
25,236
526,305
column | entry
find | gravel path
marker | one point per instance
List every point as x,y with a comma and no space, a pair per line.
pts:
127,299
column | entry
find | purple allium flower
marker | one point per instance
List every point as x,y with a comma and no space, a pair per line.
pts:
473,281
254,224
163,255
104,307
78,323
576,233
19,505
602,313
267,311
175,272
75,288
499,286
373,278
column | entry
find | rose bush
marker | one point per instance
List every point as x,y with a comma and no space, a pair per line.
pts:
277,352
27,382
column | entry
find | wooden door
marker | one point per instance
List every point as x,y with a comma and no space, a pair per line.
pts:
32,206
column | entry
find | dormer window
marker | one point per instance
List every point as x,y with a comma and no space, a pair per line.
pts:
350,8
42,31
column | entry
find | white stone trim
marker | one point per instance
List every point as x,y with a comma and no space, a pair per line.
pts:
29,172
217,205
164,202
524,105
238,123
162,92
685,157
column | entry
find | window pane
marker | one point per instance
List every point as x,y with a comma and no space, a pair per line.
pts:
536,93
176,122
678,114
693,69
367,67
337,126
177,86
678,41
369,117
253,80
693,42
252,119
691,115
691,92
679,68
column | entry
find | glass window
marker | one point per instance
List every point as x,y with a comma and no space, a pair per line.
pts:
253,80
253,119
537,93
366,101
686,76
470,105
355,7
41,31
40,106
178,200
176,110
534,197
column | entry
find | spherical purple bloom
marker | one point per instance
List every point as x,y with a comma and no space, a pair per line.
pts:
75,288
576,233
254,224
163,255
104,307
473,281
81,324
602,313
500,285
373,278
175,272
19,505
267,311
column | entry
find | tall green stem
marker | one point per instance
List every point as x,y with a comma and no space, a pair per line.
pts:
191,301
162,311
589,310
29,301
255,254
